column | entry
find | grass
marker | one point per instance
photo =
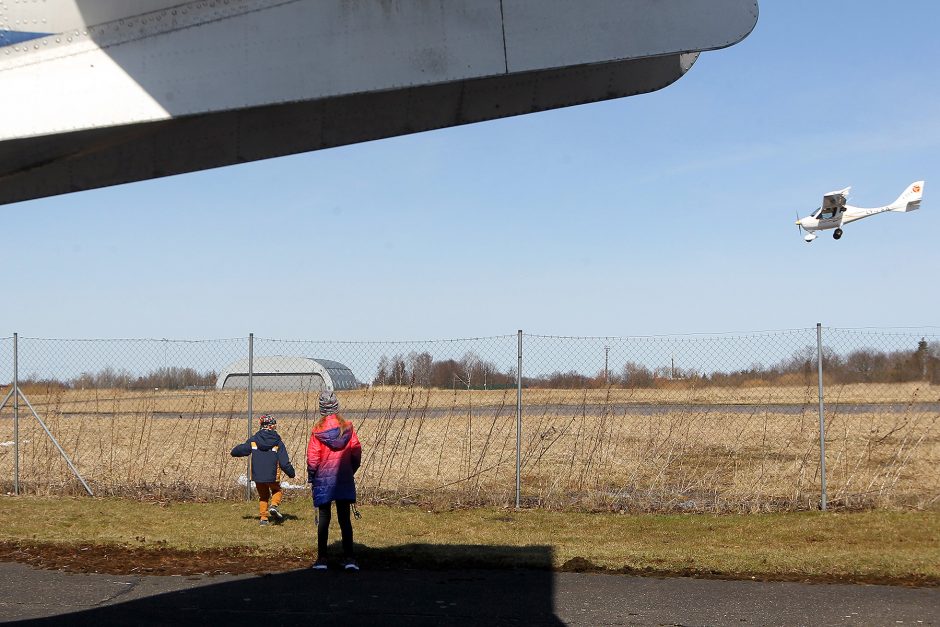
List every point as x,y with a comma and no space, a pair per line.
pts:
665,450
875,546
672,392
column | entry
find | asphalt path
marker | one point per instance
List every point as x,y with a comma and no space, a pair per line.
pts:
447,597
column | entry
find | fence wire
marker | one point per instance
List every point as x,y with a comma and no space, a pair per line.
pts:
136,417
667,423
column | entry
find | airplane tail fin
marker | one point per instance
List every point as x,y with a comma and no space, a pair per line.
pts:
910,199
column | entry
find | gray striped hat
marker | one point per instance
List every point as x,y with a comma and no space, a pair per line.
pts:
328,403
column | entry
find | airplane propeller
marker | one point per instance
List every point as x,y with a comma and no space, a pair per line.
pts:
799,225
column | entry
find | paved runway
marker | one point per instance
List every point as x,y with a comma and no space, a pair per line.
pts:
465,597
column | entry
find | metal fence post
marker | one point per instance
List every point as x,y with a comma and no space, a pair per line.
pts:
251,389
519,423
58,446
16,393
822,420
16,415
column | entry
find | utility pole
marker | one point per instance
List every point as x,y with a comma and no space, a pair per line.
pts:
924,357
606,361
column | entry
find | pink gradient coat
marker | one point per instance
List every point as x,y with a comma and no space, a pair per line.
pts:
332,461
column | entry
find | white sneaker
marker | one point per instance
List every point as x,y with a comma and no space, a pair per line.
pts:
350,564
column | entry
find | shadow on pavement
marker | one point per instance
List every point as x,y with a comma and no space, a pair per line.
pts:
386,594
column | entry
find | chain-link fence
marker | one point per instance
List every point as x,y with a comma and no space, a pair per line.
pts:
669,423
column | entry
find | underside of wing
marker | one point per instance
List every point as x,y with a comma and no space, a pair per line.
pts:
835,200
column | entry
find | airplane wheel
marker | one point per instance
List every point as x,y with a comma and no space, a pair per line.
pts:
837,234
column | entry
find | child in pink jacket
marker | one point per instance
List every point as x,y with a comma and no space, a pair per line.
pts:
333,457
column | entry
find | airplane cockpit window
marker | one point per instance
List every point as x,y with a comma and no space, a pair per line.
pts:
827,214
815,214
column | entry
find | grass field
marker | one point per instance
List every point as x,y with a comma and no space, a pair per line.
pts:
670,393
118,535
712,450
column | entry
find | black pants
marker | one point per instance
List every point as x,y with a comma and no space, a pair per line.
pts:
345,527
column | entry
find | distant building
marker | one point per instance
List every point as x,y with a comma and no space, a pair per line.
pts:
288,374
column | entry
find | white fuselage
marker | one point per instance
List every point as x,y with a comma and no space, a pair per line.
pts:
819,221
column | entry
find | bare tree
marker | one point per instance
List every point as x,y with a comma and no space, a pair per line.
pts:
421,365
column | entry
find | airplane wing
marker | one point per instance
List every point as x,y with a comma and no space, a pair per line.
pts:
101,92
835,200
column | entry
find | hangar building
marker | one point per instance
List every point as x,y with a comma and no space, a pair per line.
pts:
288,374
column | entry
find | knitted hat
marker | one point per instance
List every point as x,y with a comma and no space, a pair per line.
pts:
328,403
267,420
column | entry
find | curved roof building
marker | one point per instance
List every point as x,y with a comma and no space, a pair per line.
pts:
288,374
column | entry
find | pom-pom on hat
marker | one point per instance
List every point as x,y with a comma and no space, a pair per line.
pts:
328,403
267,420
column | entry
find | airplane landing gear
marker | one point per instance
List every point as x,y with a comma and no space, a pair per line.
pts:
837,234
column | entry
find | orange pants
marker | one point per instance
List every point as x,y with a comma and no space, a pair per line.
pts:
266,491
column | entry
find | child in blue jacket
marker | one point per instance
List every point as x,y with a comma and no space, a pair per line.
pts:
268,458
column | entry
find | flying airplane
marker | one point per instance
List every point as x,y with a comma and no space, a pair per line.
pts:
834,213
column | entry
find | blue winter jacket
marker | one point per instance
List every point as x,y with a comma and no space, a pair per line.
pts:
268,456
333,457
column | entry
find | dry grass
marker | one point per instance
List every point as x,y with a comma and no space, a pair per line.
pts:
673,393
637,450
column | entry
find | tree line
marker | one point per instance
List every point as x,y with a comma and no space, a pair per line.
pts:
110,378
422,370
865,365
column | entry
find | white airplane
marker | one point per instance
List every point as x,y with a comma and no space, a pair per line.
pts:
834,213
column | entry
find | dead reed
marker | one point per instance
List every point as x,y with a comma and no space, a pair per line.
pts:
715,450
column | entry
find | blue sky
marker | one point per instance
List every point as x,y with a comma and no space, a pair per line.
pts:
665,213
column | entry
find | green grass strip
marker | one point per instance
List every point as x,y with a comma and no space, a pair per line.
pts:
900,547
